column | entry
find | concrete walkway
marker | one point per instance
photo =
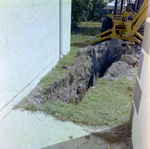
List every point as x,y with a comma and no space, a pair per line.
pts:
36,130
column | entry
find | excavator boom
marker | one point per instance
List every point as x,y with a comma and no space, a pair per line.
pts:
125,25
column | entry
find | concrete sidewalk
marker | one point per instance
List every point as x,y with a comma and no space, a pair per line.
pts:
36,130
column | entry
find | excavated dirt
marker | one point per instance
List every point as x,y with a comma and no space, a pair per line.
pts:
109,59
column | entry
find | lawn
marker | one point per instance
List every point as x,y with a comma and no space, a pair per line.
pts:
106,103
90,24
88,28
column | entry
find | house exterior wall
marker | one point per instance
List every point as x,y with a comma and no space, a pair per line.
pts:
30,38
65,26
140,111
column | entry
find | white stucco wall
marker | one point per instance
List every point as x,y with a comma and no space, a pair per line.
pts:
29,45
140,112
65,25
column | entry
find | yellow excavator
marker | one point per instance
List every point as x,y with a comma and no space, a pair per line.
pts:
128,24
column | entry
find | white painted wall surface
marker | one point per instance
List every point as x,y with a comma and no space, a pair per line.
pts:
141,119
29,46
65,26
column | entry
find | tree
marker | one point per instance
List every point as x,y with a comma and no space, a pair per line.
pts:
86,10
78,8
97,11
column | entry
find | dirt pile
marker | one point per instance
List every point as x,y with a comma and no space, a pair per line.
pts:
117,61
109,59
123,67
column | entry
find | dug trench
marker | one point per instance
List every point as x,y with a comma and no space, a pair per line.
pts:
109,59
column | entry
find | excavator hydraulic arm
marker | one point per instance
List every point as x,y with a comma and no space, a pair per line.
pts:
125,26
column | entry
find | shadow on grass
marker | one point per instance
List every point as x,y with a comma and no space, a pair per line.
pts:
78,44
89,31
82,45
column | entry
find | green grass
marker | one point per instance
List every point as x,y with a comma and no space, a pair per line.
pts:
107,103
78,38
32,107
88,28
90,24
